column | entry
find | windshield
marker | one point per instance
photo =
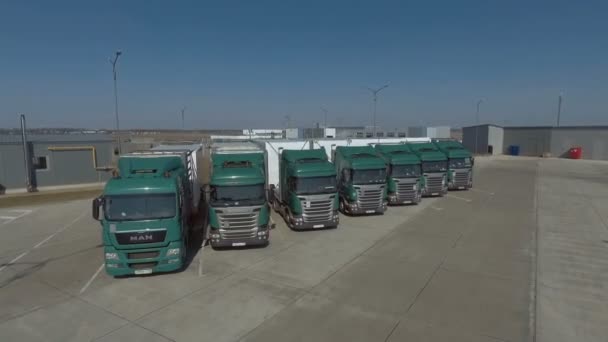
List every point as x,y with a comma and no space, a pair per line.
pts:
369,176
435,166
314,185
460,163
238,195
139,207
405,171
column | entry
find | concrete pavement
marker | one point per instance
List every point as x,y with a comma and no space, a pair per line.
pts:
459,268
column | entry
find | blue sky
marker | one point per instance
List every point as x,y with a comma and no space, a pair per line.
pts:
250,63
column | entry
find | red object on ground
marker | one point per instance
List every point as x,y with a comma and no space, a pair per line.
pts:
576,153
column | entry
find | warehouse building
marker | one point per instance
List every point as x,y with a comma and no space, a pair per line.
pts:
55,160
538,141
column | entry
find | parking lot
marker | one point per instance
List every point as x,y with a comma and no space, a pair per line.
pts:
523,253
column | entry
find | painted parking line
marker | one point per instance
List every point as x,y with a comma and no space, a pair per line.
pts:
11,215
86,286
481,191
459,198
42,242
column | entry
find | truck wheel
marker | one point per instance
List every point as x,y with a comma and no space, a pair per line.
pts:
342,207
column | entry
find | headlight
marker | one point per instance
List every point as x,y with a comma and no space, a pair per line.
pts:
111,256
112,265
173,251
262,233
215,236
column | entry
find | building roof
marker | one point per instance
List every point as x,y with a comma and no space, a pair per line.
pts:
56,138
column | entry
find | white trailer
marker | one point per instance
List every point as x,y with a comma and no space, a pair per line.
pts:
189,154
273,150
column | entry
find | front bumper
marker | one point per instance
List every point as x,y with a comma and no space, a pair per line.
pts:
452,186
122,265
395,199
298,223
261,239
354,209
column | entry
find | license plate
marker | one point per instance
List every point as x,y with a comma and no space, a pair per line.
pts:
144,271
318,226
370,211
434,194
238,244
460,187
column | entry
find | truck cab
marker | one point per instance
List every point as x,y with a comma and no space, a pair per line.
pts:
148,213
307,196
361,175
404,177
434,168
460,164
237,200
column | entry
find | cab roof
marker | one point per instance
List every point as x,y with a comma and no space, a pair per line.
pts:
453,149
308,163
138,186
397,154
237,176
361,157
427,151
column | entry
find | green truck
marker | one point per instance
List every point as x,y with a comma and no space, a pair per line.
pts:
404,177
150,207
236,196
460,164
434,168
307,195
361,176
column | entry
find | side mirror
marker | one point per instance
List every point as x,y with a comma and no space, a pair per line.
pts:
270,195
97,202
207,193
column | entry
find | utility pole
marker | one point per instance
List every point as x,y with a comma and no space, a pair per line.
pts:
183,111
375,98
559,108
113,62
477,123
324,117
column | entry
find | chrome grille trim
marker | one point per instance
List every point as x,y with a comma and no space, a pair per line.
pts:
319,208
369,197
238,222
433,183
461,178
405,191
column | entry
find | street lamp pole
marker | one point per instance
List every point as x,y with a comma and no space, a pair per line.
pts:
113,62
375,98
324,117
183,111
559,108
477,125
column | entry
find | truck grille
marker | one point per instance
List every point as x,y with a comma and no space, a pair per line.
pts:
143,265
405,189
369,197
130,238
461,178
434,183
143,255
238,234
236,224
317,210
